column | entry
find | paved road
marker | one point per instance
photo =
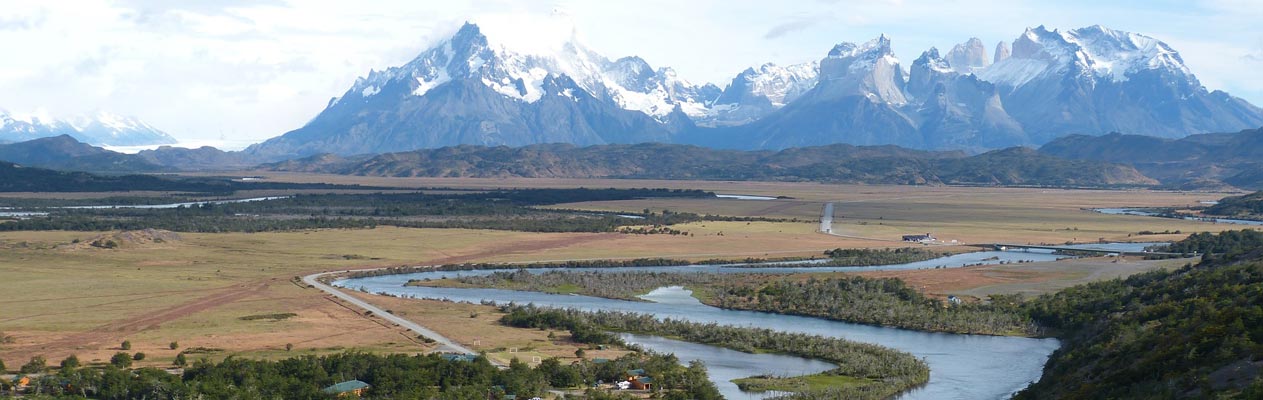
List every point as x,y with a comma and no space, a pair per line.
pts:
445,344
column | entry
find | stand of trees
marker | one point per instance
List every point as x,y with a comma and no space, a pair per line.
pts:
867,257
875,301
394,376
1196,332
1249,206
1227,245
506,210
886,371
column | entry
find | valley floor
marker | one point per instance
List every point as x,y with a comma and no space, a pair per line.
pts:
214,293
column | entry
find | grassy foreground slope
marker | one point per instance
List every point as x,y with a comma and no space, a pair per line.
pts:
1191,333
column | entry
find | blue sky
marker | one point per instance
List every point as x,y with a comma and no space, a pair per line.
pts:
249,70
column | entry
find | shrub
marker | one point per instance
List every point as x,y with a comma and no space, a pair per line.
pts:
121,360
70,362
37,365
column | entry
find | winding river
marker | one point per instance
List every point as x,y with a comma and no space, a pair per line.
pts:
961,366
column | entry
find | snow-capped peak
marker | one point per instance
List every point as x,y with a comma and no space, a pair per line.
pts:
877,47
514,55
870,69
932,60
1094,51
100,128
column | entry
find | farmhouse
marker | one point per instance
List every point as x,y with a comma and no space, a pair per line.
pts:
918,238
352,388
637,380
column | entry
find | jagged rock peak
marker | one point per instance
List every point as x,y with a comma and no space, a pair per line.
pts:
969,56
879,46
1002,51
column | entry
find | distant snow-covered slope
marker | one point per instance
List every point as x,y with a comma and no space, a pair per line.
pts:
101,129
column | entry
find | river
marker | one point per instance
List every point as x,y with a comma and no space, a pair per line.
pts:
961,366
1146,213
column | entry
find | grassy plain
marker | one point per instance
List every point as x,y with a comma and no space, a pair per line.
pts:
62,299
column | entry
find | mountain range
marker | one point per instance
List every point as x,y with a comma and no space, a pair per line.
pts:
472,88
102,129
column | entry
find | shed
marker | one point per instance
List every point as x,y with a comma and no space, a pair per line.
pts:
351,388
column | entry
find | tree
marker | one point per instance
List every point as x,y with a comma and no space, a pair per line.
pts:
121,360
289,347
138,356
37,365
174,345
70,363
579,353
127,345
180,361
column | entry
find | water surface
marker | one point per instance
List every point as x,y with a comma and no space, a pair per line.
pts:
961,366
1147,213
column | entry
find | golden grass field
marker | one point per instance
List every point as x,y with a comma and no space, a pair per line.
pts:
62,299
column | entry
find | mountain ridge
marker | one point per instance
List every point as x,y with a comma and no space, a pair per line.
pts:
838,163
471,89
1191,162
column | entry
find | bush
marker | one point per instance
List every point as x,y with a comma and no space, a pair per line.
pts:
138,356
70,362
174,345
37,365
121,360
127,345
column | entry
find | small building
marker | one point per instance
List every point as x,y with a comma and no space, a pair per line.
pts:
637,380
642,383
351,388
459,357
918,238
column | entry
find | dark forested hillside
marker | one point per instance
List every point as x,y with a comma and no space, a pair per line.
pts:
1206,160
18,178
1196,332
1247,206
833,163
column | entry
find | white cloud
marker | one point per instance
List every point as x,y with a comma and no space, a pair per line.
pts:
251,69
